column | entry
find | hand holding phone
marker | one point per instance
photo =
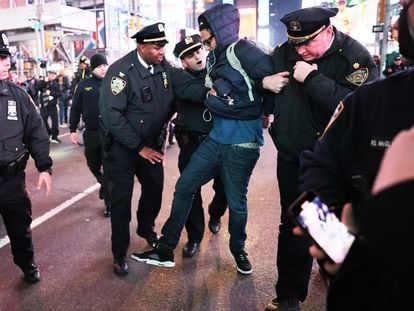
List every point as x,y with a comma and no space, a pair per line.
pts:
322,226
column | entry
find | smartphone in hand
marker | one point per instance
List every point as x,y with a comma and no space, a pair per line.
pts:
322,226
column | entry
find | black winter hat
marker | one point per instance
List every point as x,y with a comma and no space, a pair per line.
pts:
97,60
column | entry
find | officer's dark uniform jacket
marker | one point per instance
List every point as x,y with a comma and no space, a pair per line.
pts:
192,117
135,104
224,23
302,110
21,130
345,161
85,103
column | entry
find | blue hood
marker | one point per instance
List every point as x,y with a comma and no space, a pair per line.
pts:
224,22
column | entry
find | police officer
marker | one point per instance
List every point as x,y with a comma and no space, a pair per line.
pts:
22,132
397,65
192,125
86,104
49,95
350,152
136,104
317,66
84,72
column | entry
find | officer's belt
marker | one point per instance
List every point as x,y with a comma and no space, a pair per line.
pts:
195,136
14,167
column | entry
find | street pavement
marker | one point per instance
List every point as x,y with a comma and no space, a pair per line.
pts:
72,248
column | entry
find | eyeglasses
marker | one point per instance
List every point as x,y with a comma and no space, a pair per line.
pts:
207,42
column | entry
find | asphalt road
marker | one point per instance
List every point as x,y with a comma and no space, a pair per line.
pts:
72,248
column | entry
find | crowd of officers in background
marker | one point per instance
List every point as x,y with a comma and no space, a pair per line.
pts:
61,85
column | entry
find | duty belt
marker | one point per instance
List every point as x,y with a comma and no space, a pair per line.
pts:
14,167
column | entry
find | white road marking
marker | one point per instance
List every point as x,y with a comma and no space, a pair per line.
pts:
56,210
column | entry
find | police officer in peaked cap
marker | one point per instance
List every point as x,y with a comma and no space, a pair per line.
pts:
22,134
192,125
136,105
316,67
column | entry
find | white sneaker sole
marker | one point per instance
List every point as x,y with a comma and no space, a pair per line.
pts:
153,262
238,269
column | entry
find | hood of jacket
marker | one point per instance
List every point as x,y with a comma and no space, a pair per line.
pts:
224,22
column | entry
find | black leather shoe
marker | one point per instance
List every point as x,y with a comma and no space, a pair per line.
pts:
101,193
214,225
121,267
107,211
31,274
190,249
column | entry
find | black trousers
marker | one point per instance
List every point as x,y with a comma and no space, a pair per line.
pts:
294,264
52,113
16,211
195,223
94,159
122,165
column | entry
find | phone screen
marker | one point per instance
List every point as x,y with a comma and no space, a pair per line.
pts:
323,226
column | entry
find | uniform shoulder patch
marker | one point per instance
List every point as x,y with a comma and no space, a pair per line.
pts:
358,77
117,85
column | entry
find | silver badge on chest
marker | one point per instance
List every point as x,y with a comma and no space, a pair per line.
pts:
11,110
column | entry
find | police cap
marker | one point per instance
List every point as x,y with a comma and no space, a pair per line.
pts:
305,24
83,59
153,34
187,45
4,45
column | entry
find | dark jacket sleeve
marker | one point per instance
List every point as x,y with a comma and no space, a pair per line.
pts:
186,87
76,108
328,91
35,135
323,170
113,107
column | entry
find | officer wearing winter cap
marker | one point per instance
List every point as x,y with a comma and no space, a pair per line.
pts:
152,34
97,60
316,68
188,45
135,104
305,24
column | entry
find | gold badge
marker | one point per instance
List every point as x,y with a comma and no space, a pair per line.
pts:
295,26
355,65
335,115
188,40
117,85
88,88
358,76
165,80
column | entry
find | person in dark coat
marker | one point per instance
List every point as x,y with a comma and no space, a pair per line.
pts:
396,66
232,147
377,272
192,125
136,105
22,133
86,105
317,67
342,168
48,102
84,72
